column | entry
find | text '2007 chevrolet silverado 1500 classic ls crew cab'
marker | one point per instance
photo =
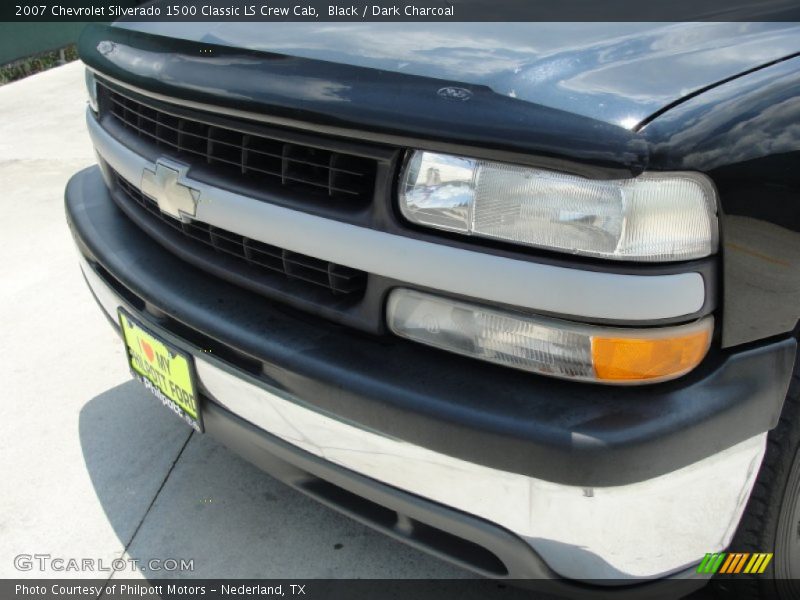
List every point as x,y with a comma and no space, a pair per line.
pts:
522,295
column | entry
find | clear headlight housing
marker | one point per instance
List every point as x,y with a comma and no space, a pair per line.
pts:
655,217
91,89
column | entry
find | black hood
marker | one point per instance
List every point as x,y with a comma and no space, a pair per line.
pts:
619,73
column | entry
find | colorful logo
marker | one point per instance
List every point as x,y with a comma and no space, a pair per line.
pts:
731,563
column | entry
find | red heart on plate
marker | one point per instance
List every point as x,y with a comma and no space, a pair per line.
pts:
148,350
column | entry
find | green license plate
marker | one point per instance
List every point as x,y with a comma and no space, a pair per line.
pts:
166,371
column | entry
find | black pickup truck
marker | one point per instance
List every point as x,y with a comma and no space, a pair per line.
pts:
525,296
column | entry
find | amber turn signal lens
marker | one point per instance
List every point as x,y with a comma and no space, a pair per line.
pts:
622,359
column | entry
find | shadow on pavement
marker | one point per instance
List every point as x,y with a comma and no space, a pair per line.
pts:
129,447
170,494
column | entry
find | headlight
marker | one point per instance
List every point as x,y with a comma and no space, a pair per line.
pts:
653,217
549,346
91,89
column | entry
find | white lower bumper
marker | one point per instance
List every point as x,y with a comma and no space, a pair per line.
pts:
644,530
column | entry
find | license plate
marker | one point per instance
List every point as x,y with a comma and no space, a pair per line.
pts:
166,371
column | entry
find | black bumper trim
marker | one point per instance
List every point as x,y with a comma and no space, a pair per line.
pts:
565,432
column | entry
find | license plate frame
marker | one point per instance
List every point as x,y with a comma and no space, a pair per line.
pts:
164,370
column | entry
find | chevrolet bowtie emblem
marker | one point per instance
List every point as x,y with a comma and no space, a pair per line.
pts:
165,187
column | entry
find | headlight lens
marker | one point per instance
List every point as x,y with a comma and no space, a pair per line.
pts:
549,346
91,89
653,217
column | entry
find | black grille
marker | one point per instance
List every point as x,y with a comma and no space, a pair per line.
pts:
265,161
338,279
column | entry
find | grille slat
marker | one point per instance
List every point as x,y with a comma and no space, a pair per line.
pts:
265,161
338,279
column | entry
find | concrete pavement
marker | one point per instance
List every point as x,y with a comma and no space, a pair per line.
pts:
92,466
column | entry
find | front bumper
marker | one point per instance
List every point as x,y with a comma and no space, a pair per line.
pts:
535,477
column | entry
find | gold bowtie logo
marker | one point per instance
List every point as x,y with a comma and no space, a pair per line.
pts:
165,187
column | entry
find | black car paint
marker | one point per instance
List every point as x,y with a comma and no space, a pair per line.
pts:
612,72
406,110
745,135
